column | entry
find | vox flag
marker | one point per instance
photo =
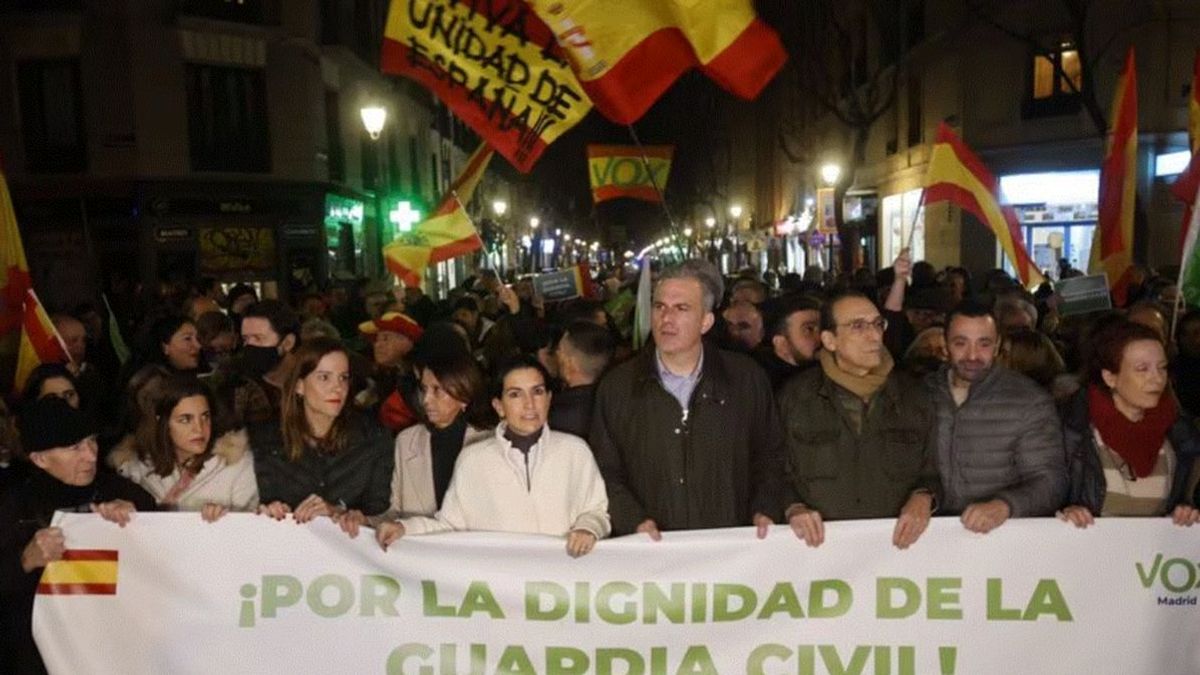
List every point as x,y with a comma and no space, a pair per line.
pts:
1112,246
629,171
494,63
447,234
628,52
957,175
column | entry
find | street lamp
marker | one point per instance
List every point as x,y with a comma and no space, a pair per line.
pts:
736,211
373,118
534,222
499,207
710,222
830,173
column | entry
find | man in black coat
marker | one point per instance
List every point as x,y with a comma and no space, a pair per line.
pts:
583,353
60,443
686,435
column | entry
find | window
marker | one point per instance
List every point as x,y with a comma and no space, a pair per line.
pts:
227,119
52,116
916,130
241,11
393,161
1171,163
414,165
1056,79
333,138
915,23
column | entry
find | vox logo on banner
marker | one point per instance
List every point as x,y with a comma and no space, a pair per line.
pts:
629,171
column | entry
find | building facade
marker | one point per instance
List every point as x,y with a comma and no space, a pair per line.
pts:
164,139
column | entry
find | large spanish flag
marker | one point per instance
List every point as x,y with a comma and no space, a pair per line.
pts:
81,572
957,175
14,272
628,52
447,234
494,63
629,171
40,342
1112,245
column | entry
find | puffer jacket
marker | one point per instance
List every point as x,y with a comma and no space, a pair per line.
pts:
227,477
1086,474
1004,442
357,477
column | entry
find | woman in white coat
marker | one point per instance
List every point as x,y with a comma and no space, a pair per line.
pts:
523,478
175,457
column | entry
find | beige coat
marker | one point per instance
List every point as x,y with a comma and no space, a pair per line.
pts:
412,479
227,478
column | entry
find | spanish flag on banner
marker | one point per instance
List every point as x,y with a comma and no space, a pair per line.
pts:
14,272
447,234
621,171
1112,245
494,63
628,52
81,572
40,342
956,175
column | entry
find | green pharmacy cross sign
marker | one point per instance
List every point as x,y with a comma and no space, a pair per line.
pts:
403,216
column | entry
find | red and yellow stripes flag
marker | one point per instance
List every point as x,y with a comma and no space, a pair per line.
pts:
629,171
626,53
957,175
81,572
1112,245
447,234
14,272
1188,182
40,341
494,63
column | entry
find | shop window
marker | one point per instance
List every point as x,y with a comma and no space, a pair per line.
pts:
52,116
1056,79
240,11
227,119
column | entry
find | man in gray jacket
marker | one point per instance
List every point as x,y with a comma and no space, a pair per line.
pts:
998,437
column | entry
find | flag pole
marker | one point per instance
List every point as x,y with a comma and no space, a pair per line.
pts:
654,181
912,229
1189,250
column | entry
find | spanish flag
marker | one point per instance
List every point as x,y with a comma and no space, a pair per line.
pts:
626,53
629,171
494,63
957,175
40,342
1112,245
14,272
81,572
447,234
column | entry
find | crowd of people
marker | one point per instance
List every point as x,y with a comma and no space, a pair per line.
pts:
758,401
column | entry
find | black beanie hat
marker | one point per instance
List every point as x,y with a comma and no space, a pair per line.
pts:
51,422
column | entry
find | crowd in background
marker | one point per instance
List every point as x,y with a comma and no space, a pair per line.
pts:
760,399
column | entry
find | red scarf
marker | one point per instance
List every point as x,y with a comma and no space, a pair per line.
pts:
1137,443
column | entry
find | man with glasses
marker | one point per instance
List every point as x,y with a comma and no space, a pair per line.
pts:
998,436
857,432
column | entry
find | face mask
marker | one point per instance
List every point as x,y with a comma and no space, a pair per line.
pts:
259,361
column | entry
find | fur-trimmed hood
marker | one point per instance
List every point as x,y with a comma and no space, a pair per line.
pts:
231,446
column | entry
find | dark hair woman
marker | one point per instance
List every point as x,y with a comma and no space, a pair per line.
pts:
454,413
1130,450
321,458
176,456
51,379
524,477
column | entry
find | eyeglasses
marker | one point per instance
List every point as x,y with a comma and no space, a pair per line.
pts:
861,326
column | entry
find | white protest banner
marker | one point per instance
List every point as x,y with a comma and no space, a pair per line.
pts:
251,595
